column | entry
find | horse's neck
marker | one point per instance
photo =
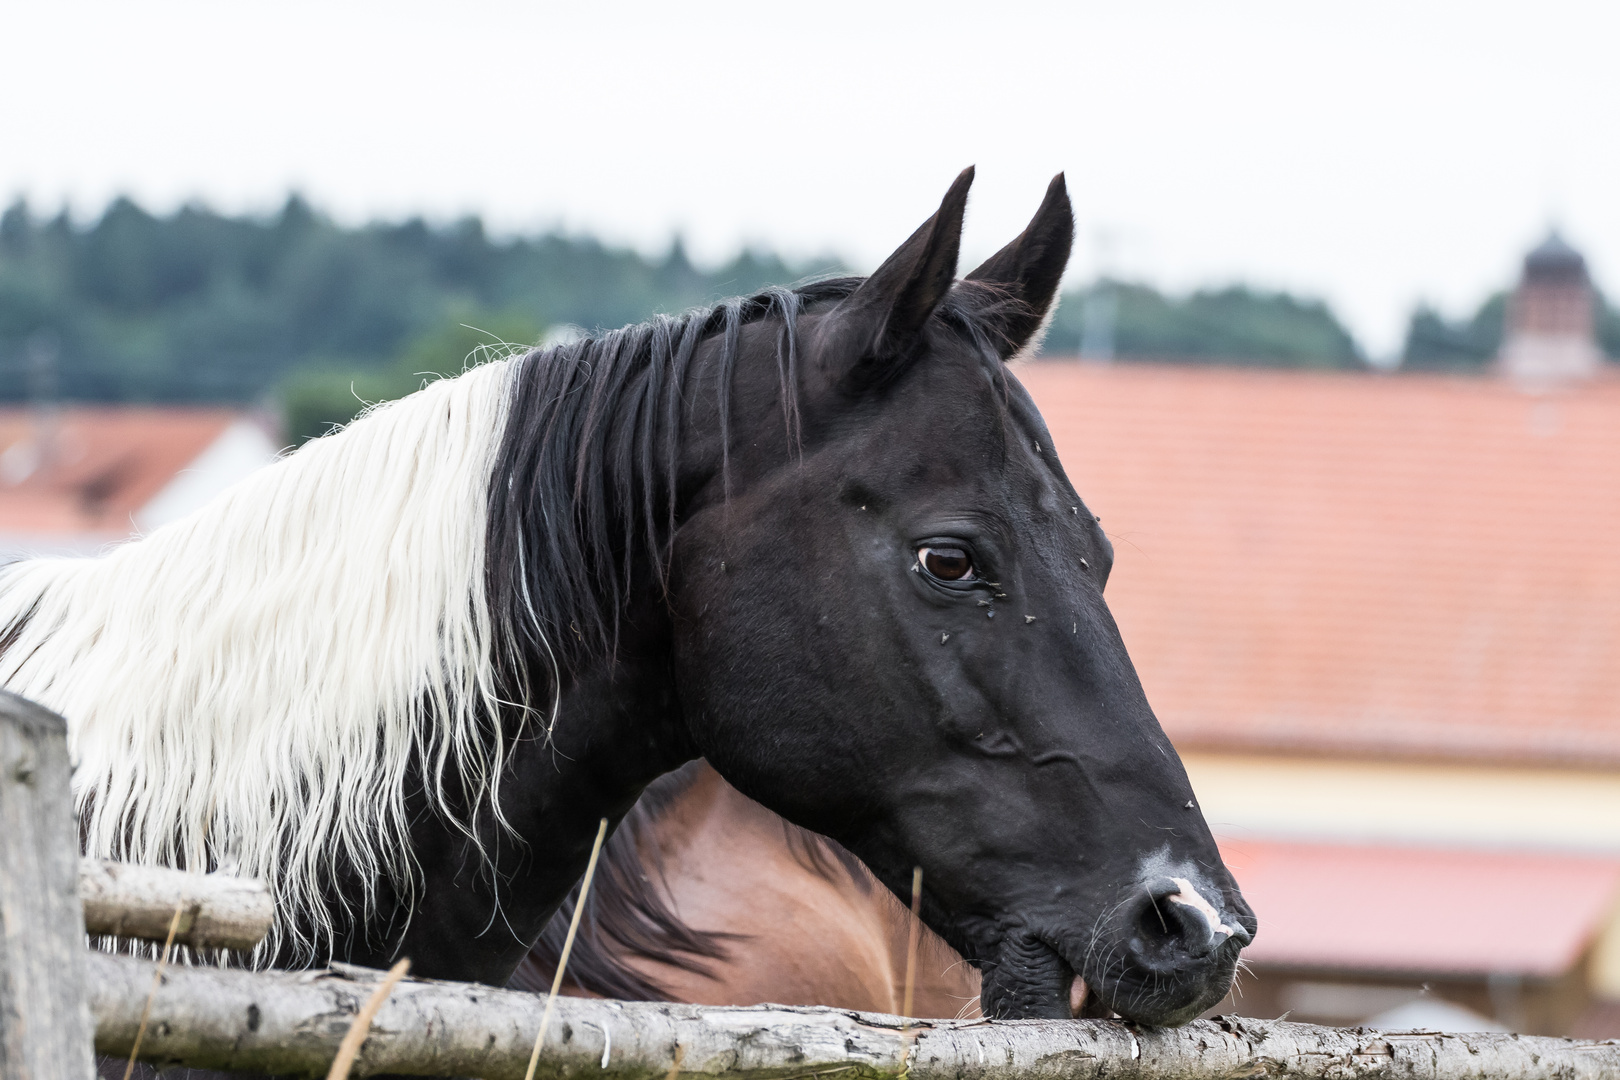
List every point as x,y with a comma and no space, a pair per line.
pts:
810,933
709,817
617,729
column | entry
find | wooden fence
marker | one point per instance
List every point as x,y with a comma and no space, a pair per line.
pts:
58,999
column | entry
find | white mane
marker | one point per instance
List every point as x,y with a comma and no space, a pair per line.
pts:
246,687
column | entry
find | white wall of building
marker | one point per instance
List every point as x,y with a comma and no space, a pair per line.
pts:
242,448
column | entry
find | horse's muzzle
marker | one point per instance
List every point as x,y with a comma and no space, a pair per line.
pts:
1178,954
1165,956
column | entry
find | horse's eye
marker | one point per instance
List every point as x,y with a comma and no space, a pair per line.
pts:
946,563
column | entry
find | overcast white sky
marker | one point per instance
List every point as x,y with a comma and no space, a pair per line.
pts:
1370,153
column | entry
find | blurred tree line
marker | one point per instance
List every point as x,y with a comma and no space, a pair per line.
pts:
1235,325
199,306
314,399
320,318
1434,343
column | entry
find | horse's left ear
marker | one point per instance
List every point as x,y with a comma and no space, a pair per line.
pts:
1029,269
880,325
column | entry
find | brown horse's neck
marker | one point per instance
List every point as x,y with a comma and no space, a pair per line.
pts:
792,918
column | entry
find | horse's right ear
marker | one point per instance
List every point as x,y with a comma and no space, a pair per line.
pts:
878,329
1028,270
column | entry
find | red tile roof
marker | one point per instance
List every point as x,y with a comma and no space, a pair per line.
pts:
1421,911
104,464
1329,562
1419,565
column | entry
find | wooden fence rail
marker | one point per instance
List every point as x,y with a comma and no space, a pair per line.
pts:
292,1022
216,910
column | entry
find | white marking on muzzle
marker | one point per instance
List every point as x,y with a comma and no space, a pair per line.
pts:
1191,897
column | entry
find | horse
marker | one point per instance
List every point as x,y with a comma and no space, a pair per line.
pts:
818,536
706,897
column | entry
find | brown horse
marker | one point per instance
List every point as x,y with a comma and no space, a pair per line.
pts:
705,896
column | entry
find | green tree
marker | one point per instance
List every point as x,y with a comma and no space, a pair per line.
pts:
1608,330
1434,343
319,397
199,306
1235,325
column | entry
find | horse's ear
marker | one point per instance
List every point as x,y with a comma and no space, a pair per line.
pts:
882,321
1029,268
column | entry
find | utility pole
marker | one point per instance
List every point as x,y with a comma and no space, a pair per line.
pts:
1099,312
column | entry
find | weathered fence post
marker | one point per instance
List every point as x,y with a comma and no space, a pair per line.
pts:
45,1031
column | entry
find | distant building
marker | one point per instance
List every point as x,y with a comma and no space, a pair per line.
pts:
1550,335
1380,618
75,479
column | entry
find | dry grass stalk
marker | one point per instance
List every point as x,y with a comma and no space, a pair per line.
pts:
913,940
349,1048
568,946
157,979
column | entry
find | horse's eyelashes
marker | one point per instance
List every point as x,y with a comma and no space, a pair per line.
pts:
946,563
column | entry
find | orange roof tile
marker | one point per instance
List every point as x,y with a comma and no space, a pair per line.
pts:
103,463
1421,911
1421,565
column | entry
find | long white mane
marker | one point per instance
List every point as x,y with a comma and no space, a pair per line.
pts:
247,687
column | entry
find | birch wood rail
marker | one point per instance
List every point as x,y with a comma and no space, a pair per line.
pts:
216,910
292,1022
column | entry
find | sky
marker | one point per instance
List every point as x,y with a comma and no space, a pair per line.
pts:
1373,154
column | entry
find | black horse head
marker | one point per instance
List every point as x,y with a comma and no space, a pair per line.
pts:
821,537
895,634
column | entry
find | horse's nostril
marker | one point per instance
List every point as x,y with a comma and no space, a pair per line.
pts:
1162,922
1163,888
1177,915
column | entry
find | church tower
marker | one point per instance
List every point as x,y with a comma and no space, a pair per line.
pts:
1550,334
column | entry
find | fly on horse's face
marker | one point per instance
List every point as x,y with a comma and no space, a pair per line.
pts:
895,634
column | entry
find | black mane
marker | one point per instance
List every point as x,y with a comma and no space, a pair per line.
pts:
583,494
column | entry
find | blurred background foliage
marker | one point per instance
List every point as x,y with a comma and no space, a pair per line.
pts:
1231,325
199,306
319,396
1434,343
315,318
